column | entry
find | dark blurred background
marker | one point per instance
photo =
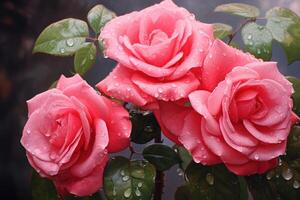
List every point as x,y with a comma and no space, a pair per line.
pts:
23,75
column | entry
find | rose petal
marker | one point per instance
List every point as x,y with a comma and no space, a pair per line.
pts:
198,100
221,59
191,139
87,185
118,84
219,147
170,117
252,167
119,128
89,160
170,90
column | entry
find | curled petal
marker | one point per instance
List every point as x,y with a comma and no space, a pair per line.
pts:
118,84
167,91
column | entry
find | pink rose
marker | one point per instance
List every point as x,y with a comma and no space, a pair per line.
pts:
69,133
241,116
158,50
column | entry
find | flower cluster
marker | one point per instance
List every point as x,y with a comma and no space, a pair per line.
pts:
221,104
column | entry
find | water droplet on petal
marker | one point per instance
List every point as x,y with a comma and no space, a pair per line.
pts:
62,50
256,157
160,90
70,42
210,178
287,174
28,132
296,184
127,193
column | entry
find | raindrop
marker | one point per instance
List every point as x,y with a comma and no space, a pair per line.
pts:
160,90
156,95
258,51
269,175
127,193
210,178
256,157
140,184
62,50
210,56
138,192
28,132
173,85
287,174
296,184
125,178
279,162
260,27
114,193
52,156
122,173
148,129
249,37
70,42
277,175
179,172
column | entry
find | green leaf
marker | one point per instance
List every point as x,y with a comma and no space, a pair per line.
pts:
184,156
296,95
84,58
62,38
239,9
98,16
221,30
212,182
260,188
285,27
42,189
258,40
132,180
293,146
161,156
144,127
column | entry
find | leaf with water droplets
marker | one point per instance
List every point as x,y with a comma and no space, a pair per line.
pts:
62,38
258,40
184,156
84,58
42,188
221,30
144,127
296,95
161,156
98,16
132,180
285,27
239,9
211,182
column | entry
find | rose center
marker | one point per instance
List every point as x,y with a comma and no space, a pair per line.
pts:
157,36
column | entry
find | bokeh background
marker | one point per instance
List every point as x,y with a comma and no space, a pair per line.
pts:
23,75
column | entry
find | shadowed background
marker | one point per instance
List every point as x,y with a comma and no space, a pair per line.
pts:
23,75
